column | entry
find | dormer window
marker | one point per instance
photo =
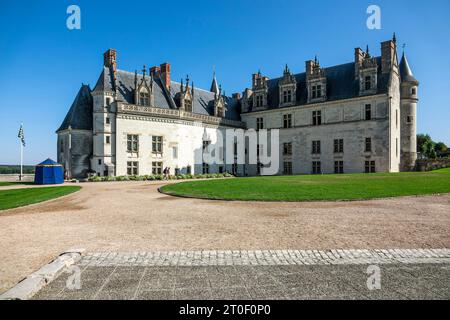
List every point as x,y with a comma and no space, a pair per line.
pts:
368,83
144,98
316,91
188,105
259,101
287,96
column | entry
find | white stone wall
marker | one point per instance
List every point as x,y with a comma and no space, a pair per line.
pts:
340,120
186,136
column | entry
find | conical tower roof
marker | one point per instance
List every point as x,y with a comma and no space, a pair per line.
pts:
405,71
214,85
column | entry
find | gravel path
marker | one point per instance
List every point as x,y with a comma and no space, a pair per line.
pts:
133,216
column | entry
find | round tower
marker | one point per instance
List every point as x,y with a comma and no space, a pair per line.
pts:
408,111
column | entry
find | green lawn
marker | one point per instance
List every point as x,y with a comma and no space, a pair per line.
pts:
21,197
6,183
317,187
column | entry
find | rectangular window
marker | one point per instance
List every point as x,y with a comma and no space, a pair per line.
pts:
368,147
368,112
316,91
259,123
108,101
175,152
287,148
132,143
107,120
259,101
132,168
287,121
61,146
144,98
339,167
157,167
108,139
368,83
220,169
189,170
287,96
287,167
338,145
409,119
157,144
369,167
205,168
99,162
316,167
187,105
316,147
317,118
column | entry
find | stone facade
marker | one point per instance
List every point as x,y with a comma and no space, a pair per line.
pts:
352,118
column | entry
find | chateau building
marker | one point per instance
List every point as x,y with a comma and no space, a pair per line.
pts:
351,118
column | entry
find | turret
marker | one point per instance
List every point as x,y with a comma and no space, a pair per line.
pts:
408,110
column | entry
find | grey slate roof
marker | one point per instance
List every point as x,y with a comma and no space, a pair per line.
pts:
405,71
203,100
80,113
341,84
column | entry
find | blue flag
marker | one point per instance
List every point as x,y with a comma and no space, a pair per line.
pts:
21,136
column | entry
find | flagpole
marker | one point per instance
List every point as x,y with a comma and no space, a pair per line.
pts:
21,161
21,150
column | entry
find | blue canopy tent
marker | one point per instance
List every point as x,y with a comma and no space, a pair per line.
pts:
49,172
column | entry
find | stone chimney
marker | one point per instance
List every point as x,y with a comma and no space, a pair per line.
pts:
154,71
359,57
110,59
236,95
388,49
309,65
165,74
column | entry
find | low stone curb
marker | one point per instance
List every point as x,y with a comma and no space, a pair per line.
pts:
29,286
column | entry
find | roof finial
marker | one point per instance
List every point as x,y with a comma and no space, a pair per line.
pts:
286,69
144,70
394,38
367,49
315,59
187,80
181,85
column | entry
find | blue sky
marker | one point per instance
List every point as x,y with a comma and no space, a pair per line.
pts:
42,63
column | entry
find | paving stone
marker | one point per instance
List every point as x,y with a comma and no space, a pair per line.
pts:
193,294
155,295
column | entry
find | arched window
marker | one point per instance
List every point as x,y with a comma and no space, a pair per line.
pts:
144,98
413,91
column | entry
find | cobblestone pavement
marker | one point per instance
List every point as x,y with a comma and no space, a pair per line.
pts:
266,257
267,274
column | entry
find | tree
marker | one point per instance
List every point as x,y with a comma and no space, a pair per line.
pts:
440,147
422,139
